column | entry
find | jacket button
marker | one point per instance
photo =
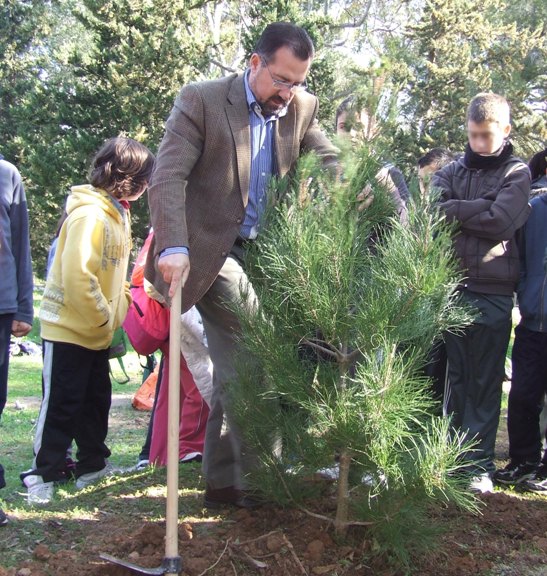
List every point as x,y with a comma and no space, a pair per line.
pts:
238,221
224,254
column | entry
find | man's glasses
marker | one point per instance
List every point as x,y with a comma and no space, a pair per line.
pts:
281,84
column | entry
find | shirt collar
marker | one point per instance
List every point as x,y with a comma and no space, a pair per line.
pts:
253,104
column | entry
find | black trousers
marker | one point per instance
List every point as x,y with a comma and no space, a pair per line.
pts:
476,368
75,406
436,370
145,450
528,387
6,321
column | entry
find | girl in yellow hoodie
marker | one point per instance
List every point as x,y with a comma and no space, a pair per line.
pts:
85,300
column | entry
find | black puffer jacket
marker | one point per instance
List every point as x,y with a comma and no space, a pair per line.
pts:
489,205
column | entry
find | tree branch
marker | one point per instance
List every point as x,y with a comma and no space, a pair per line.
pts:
222,66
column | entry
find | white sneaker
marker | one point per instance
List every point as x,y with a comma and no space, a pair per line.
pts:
330,473
481,483
142,465
38,491
90,478
192,457
373,480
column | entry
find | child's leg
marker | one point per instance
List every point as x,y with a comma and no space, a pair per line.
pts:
92,425
145,450
476,363
193,419
529,359
193,416
65,377
6,321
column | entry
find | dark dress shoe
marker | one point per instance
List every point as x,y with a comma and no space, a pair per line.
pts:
229,496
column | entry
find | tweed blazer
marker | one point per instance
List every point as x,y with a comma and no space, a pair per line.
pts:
200,186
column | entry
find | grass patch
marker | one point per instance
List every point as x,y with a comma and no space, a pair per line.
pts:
130,495
17,427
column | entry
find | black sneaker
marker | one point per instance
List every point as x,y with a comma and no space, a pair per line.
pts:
539,482
515,473
3,518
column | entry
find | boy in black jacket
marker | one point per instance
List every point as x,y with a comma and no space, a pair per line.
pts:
486,194
529,358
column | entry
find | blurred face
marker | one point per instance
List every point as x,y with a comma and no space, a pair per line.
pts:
424,177
354,126
138,194
486,138
274,83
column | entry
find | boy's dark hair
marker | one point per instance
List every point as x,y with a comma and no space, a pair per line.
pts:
347,105
436,157
281,34
488,107
538,164
121,167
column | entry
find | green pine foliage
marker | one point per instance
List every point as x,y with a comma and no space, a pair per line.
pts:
349,305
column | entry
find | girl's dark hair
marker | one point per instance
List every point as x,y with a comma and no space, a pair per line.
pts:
281,34
121,167
538,164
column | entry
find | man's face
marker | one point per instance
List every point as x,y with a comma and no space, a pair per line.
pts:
486,138
284,66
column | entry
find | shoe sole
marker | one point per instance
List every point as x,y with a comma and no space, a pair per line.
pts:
190,460
245,503
515,482
215,505
538,488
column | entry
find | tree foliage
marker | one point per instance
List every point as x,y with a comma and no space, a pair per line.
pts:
349,306
75,72
456,50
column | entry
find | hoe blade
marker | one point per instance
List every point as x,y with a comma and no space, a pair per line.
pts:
132,566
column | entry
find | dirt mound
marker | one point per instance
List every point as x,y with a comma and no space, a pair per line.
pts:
509,537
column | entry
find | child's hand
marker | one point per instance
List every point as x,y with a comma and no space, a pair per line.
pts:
174,268
365,198
19,328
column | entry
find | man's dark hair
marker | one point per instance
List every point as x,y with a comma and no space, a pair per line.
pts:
281,34
121,167
438,157
538,164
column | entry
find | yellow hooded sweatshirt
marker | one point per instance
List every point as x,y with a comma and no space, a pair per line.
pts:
86,295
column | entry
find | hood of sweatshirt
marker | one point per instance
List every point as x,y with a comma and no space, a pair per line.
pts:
86,195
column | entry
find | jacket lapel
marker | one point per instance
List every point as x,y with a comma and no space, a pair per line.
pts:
285,138
238,118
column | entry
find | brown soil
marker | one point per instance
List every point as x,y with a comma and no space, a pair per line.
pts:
509,539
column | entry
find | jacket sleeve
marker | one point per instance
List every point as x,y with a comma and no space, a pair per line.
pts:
495,219
179,151
315,141
21,253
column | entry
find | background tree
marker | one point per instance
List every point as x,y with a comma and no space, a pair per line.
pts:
457,49
23,24
74,72
117,72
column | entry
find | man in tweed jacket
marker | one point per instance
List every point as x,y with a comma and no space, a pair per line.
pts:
224,139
